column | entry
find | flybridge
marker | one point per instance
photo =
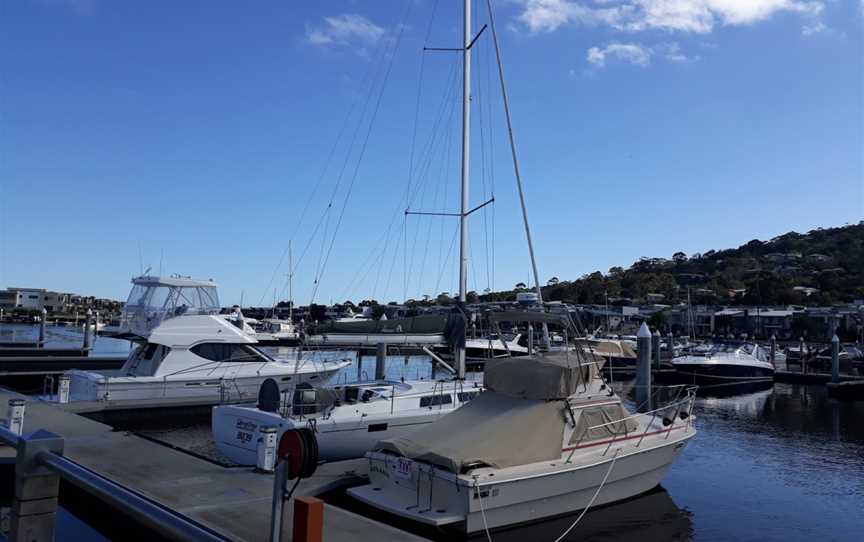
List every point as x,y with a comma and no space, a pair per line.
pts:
154,299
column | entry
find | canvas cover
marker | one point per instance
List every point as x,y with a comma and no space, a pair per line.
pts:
552,376
609,348
602,422
494,429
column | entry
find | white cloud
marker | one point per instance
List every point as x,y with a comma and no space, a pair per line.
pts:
697,16
626,52
672,52
637,54
345,29
815,28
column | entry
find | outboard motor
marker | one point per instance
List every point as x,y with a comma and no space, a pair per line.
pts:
269,396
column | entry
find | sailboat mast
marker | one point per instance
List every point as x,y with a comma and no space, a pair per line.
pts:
290,283
466,151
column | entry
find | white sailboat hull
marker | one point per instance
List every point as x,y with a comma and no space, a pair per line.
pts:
236,432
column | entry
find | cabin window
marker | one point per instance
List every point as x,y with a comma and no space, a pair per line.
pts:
435,400
377,427
226,352
149,350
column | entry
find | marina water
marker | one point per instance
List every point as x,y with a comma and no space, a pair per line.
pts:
784,463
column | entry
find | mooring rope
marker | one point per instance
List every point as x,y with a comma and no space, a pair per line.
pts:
482,510
591,503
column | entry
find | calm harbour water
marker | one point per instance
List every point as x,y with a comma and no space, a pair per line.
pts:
782,464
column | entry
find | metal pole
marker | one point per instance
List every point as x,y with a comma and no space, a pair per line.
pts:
671,346
278,500
773,349
655,343
518,173
802,357
530,339
466,153
643,369
835,359
88,340
42,327
380,361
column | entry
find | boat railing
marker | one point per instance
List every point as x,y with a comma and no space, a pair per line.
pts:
677,403
40,466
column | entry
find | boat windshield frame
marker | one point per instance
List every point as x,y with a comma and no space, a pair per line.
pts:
149,303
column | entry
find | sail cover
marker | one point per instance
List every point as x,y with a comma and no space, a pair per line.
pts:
493,430
555,376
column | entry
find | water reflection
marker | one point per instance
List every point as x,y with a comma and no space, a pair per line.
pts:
651,516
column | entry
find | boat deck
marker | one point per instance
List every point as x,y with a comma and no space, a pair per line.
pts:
233,502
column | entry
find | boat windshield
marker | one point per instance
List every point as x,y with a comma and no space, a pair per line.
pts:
748,349
151,303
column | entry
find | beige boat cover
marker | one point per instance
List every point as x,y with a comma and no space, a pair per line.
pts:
609,348
553,376
493,429
602,422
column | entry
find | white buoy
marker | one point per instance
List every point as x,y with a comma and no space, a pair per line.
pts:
15,416
267,449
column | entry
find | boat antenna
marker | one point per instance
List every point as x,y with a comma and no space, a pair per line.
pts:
516,167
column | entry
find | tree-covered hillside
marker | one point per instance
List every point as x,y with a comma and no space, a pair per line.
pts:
820,267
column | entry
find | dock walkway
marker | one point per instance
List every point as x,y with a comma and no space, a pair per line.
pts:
233,502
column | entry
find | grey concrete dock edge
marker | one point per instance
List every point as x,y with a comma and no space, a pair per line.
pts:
234,502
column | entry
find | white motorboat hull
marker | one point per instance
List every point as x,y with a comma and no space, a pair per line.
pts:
520,500
118,392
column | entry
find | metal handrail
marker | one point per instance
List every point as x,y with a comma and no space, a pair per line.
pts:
146,512
691,391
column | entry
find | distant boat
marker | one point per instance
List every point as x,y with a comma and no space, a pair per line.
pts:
348,419
717,363
188,354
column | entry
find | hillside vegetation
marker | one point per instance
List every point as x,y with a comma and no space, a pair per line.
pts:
820,267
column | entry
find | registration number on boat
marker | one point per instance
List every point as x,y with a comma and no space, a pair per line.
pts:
403,468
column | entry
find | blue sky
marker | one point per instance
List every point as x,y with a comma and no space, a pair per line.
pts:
196,133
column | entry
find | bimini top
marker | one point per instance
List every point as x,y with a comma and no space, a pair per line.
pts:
553,376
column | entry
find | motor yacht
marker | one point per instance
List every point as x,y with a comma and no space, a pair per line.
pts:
347,419
276,332
187,353
547,437
720,362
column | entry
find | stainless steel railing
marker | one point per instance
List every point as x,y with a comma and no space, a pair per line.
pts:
40,457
